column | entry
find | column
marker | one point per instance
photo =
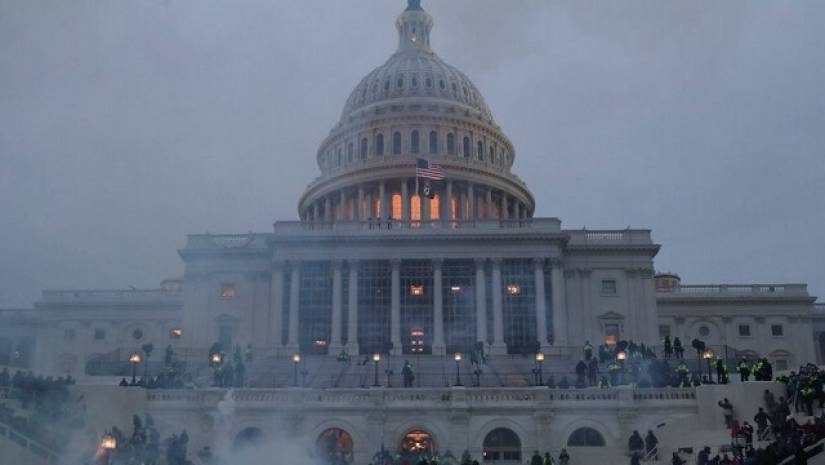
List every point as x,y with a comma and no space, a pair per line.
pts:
559,306
395,308
481,302
425,209
294,305
359,206
276,305
327,208
519,213
405,201
382,197
471,202
312,213
592,331
541,304
352,310
335,345
499,347
505,215
439,346
342,205
489,202
450,211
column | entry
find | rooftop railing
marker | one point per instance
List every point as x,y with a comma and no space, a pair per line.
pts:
739,289
546,225
113,296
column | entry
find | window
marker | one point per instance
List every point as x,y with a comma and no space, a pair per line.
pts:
704,331
350,152
379,145
228,291
415,82
364,148
664,330
441,84
609,286
480,151
502,445
69,334
451,144
466,147
777,330
519,306
387,84
433,142
400,82
428,82
586,437
100,334
338,158
415,143
315,302
744,330
396,143
781,365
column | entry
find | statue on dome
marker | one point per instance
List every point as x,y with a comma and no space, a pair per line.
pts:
414,5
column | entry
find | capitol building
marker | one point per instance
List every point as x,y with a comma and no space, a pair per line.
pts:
385,266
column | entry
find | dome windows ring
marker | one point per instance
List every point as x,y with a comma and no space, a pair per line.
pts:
433,142
379,145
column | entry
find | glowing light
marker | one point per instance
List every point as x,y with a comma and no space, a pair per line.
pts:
707,355
134,359
455,289
176,333
621,355
458,356
296,358
513,289
108,442
216,359
376,357
417,290
539,357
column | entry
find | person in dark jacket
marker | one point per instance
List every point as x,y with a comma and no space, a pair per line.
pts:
636,443
651,442
536,459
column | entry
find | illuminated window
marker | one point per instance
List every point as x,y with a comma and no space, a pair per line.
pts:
513,289
435,208
454,201
417,442
416,290
415,208
396,206
228,291
455,289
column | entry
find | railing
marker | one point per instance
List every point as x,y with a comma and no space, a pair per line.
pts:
24,441
739,289
810,451
400,397
548,225
109,296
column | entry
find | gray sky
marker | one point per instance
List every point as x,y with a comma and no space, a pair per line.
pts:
127,124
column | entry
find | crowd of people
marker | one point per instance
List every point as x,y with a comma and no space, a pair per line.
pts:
143,446
37,406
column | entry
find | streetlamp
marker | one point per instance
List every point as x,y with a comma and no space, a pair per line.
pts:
216,361
457,357
621,357
538,375
296,360
134,359
376,357
108,443
708,355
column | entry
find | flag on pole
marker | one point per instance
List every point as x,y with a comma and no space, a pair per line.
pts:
426,170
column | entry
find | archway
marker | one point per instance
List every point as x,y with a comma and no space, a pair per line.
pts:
248,438
503,446
334,447
417,444
586,437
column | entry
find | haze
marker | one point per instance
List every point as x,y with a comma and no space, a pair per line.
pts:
127,124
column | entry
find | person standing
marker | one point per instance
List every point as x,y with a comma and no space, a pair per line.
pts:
536,459
744,370
593,372
728,408
588,351
651,443
678,349
668,347
564,457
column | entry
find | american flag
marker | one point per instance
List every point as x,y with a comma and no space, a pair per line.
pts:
426,170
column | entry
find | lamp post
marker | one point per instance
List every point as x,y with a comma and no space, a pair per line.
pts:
216,361
134,359
621,357
457,357
538,373
708,355
376,358
108,443
296,360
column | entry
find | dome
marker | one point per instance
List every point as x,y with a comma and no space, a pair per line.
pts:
415,114
416,72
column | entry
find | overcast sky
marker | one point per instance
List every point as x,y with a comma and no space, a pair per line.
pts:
127,124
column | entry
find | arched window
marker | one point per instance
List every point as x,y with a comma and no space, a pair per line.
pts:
364,148
428,82
338,157
451,144
249,437
335,446
415,208
350,152
433,142
400,82
435,208
396,143
387,84
586,437
441,84
415,143
379,145
396,207
480,151
418,442
415,82
493,154
502,445
466,147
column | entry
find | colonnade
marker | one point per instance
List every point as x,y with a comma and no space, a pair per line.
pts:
439,343
397,199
